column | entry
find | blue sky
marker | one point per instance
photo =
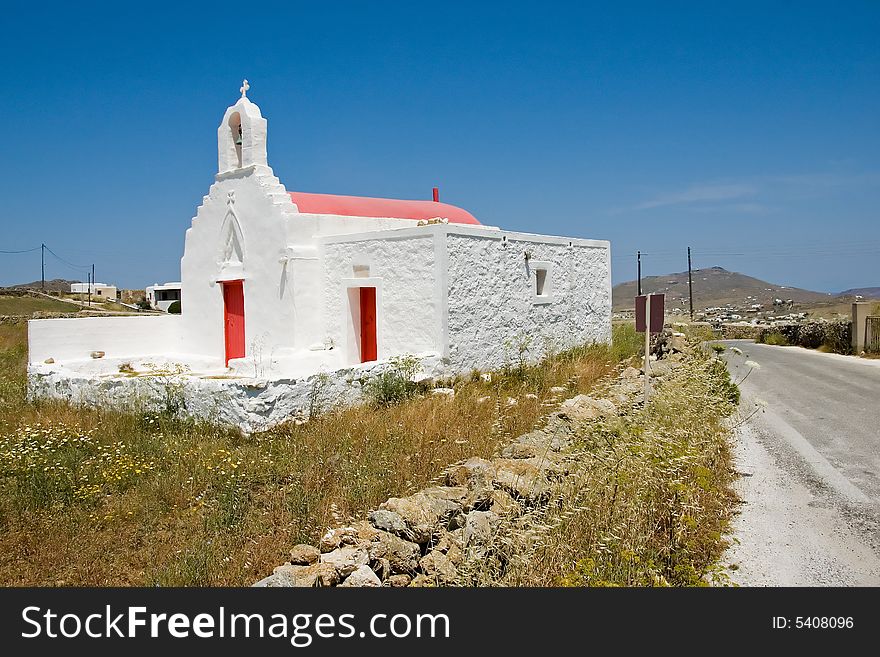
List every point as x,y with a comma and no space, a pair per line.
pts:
749,132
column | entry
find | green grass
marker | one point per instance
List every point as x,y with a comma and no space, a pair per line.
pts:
27,305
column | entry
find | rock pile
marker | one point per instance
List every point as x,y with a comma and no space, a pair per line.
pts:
440,535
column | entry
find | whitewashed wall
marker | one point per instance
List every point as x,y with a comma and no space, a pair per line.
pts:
492,307
402,265
118,337
469,293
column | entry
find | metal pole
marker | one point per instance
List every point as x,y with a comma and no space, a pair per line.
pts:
639,261
89,285
43,267
690,285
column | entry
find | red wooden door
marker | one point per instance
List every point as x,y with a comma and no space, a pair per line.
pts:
233,319
368,324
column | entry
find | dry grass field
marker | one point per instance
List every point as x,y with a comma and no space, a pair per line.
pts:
91,497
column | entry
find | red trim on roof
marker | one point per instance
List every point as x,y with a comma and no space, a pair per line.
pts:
365,206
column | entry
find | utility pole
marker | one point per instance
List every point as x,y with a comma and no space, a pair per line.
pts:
93,281
690,285
89,285
43,267
639,261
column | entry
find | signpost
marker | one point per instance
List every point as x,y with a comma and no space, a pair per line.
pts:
650,315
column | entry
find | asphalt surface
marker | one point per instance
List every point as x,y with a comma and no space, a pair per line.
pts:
808,447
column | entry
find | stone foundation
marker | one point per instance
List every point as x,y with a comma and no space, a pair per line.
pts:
251,404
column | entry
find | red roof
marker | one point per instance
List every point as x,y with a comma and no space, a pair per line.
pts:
365,206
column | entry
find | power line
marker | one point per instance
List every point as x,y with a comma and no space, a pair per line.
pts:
68,263
36,248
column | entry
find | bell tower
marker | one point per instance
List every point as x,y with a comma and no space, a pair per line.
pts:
241,137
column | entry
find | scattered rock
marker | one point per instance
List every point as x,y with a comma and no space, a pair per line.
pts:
474,470
422,513
49,361
389,521
97,354
398,580
660,368
479,528
510,401
362,576
521,479
545,442
503,504
438,567
346,559
486,377
630,373
319,574
520,451
449,393
483,400
679,343
421,581
455,494
558,390
335,538
531,395
365,531
304,555
585,407
456,522
403,556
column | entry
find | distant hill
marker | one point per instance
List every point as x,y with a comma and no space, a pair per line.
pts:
867,292
55,285
714,287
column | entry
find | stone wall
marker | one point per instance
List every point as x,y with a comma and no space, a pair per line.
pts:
467,528
835,336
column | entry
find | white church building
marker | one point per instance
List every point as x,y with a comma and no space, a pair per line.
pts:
279,287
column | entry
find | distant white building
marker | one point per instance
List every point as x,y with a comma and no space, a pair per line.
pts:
96,289
161,297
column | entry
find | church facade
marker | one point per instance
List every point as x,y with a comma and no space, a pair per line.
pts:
279,284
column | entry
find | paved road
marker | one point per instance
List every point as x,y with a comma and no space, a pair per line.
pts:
811,466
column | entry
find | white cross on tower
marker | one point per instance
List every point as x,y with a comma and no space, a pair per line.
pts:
244,87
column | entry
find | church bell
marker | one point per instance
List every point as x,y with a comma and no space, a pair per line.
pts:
238,138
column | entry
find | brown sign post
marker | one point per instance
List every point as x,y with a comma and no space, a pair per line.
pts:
657,312
650,315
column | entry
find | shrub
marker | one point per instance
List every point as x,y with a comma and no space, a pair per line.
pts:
774,338
174,308
838,337
394,384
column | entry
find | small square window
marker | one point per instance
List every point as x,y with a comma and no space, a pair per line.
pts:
542,281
